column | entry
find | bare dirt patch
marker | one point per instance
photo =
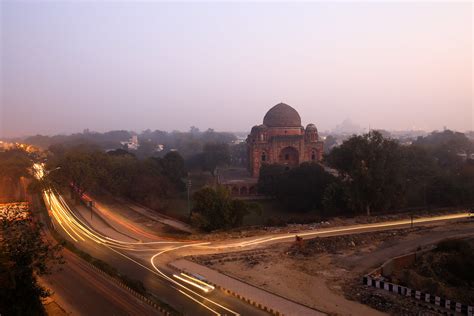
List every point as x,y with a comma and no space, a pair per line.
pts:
325,273
446,271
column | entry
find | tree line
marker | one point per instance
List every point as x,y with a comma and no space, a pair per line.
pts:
370,174
88,168
186,143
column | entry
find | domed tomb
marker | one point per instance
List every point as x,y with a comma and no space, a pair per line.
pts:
282,140
282,115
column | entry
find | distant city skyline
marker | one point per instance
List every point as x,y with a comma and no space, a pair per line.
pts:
69,66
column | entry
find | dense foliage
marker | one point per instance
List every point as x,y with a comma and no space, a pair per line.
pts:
298,189
88,168
214,208
377,174
371,166
23,255
14,164
213,156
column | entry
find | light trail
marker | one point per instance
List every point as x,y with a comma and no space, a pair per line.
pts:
72,225
353,228
205,289
211,287
75,225
159,273
181,285
200,303
117,219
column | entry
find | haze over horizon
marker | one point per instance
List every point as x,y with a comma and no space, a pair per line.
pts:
68,66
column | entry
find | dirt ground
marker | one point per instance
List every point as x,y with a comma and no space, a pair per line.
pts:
326,273
446,271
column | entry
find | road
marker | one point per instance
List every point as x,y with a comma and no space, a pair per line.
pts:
147,261
82,290
131,258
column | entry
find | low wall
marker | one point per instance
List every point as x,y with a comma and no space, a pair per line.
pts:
376,279
418,295
399,263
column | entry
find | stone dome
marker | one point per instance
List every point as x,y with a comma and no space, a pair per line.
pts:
311,127
258,128
282,115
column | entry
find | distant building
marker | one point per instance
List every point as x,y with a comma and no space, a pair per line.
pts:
132,144
462,155
282,139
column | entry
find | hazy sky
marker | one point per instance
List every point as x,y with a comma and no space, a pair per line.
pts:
70,65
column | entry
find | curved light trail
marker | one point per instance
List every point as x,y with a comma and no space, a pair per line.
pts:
78,230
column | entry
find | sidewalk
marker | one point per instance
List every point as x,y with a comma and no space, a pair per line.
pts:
255,296
161,218
98,223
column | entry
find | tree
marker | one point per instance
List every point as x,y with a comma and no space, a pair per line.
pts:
444,147
298,189
336,198
85,167
239,155
269,178
372,168
215,209
173,167
302,188
14,164
149,184
122,171
194,130
24,254
118,172
420,169
329,143
215,155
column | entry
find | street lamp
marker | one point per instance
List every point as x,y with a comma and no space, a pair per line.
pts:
49,171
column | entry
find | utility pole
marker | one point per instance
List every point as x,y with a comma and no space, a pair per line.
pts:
188,186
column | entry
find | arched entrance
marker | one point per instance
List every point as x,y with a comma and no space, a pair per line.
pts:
289,156
235,191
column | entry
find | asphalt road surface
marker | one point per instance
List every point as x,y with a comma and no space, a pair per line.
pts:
146,261
82,290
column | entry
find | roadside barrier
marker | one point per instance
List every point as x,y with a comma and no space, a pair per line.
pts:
132,291
453,307
55,234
